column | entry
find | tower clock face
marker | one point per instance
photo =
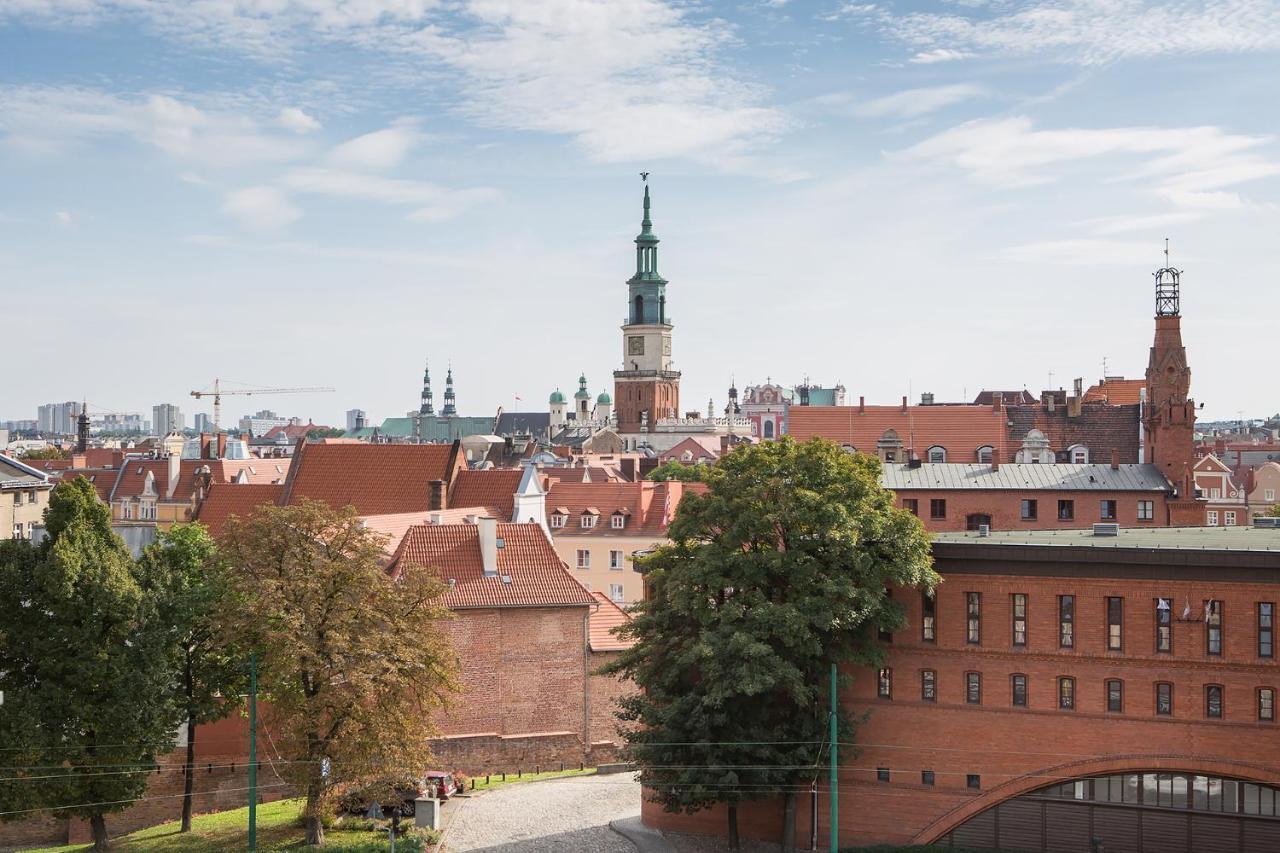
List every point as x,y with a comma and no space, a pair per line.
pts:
635,345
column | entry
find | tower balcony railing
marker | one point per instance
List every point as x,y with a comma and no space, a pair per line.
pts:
666,321
646,374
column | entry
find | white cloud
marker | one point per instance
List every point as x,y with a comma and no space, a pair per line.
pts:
912,103
434,203
1149,222
938,54
1088,32
1082,252
63,217
261,208
292,118
381,149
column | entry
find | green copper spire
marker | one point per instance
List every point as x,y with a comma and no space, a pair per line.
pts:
647,245
646,224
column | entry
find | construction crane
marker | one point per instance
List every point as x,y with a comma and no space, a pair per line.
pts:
217,391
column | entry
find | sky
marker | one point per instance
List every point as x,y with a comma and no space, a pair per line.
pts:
902,197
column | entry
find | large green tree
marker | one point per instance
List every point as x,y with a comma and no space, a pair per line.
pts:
88,689
780,570
675,470
208,665
352,660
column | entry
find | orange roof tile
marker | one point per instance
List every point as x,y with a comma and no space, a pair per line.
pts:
538,577
395,525
495,488
647,507
604,619
377,479
133,475
239,499
961,429
102,479
1117,392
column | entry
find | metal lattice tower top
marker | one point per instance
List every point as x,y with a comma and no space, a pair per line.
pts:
1168,287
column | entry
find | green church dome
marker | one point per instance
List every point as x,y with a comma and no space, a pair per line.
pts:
604,399
556,397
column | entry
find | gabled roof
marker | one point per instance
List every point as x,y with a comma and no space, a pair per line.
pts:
133,475
700,448
17,475
604,619
395,525
647,506
495,488
538,577
239,499
523,423
1117,391
103,480
1023,477
376,479
961,429
1100,427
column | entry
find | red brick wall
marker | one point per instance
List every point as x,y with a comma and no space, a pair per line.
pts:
523,670
655,396
606,690
1005,508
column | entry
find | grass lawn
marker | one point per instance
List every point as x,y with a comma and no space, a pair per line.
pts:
278,829
496,781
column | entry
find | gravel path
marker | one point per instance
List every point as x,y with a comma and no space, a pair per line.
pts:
555,815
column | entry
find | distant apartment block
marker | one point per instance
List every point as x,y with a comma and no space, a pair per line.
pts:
356,419
167,418
58,418
202,422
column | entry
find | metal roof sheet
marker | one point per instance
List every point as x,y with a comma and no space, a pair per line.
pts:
1021,477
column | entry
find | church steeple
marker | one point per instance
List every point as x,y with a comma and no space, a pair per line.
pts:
648,289
427,408
449,407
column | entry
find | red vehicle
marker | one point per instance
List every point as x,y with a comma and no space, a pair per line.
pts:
443,783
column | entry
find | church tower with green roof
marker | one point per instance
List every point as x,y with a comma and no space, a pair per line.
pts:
647,388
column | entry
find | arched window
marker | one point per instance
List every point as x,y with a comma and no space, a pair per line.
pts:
662,309
1078,454
937,453
638,316
985,454
768,429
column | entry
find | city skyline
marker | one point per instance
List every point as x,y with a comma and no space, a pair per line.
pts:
844,192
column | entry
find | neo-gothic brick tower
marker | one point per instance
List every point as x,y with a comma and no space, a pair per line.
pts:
1170,416
646,389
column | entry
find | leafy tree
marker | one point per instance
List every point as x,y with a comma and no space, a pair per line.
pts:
88,699
780,570
325,432
674,470
1274,512
51,451
178,569
352,660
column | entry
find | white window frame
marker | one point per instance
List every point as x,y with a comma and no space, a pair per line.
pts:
1146,510
1229,518
618,521
616,593
617,561
587,521
126,510
17,530
17,498
1269,494
1212,518
941,452
1080,455
584,559
558,521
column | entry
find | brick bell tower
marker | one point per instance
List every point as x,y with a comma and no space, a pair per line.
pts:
1170,413
646,389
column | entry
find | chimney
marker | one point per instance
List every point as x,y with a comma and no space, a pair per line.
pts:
995,459
904,404
1115,459
997,401
436,495
488,528
175,474
222,446
862,405
926,399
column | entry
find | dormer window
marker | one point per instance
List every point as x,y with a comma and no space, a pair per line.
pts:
588,520
559,518
937,453
985,453
618,521
1079,454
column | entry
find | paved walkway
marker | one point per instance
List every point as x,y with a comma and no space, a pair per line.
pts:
554,815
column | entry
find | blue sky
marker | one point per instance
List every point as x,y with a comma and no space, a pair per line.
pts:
903,197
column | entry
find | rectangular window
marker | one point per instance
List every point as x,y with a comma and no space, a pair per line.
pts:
1213,701
618,521
1066,510
588,521
1066,693
974,781
1213,627
928,618
615,560
1018,605
1164,699
1066,621
1229,518
126,510
17,498
926,777
1164,624
1029,509
973,619
928,685
615,593
1211,518
973,688
937,508
1267,704
558,520
584,558
1115,623
884,683
1269,494
1266,629
17,531
1115,696
1146,510
1018,683
911,505
1107,511
882,774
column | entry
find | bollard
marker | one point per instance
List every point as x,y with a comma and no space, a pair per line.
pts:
537,768
581,766
561,766
473,783
486,779
519,773
504,775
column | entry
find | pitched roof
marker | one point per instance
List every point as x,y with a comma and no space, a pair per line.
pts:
647,506
603,620
1117,391
19,475
239,499
103,480
133,475
538,577
1023,477
961,429
395,525
377,479
1101,427
495,487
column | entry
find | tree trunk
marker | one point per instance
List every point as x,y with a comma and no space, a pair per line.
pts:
98,824
311,812
733,828
789,822
189,773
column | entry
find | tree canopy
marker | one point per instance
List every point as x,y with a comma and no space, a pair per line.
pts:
781,569
352,660
674,470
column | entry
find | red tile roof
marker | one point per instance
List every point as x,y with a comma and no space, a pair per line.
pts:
960,429
133,475
604,619
239,499
395,525
648,507
103,480
377,479
1117,392
49,466
538,577
494,488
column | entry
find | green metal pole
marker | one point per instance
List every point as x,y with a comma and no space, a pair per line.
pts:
835,764
253,751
